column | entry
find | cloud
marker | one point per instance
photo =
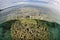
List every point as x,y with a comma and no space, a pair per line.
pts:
7,3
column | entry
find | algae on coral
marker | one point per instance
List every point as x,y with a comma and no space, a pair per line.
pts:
29,29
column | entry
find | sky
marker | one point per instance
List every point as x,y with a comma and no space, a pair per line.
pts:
51,3
8,3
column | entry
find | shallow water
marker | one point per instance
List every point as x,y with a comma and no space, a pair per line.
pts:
7,33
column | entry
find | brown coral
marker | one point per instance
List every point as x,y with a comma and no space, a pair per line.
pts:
29,31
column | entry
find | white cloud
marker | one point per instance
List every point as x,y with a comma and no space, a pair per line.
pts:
44,0
7,3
